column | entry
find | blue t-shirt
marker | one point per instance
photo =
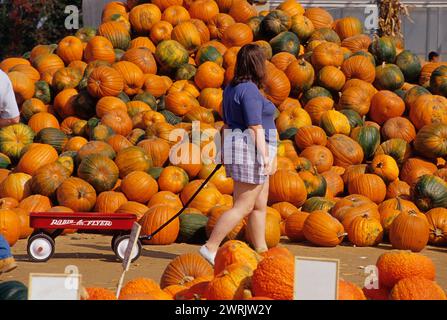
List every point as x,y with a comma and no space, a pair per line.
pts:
244,106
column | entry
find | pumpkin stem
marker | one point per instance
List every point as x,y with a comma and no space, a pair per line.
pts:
186,279
247,294
399,204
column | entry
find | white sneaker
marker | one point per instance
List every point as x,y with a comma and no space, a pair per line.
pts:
209,256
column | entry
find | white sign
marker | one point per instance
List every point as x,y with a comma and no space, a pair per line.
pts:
132,245
315,279
47,286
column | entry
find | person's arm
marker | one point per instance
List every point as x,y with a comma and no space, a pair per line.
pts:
252,104
7,122
9,111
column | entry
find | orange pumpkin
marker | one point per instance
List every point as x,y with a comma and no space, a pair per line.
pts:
320,17
76,194
154,218
99,48
385,105
9,226
322,229
209,75
105,81
161,31
369,185
237,35
37,156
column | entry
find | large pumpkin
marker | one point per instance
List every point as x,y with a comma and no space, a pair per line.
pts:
99,171
359,67
345,150
389,77
409,231
348,27
109,201
327,54
237,35
171,54
287,185
147,186
428,109
9,226
276,86
105,81
14,138
22,86
132,159
431,140
132,76
99,48
48,178
301,75
369,185
16,185
144,16
430,192
322,229
184,269
187,35
320,17
154,218
37,156
437,220
76,194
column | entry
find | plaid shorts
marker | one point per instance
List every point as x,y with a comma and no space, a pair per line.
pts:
241,160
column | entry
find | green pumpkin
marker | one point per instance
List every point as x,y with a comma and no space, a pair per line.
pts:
325,34
136,135
95,147
155,172
170,117
438,81
208,53
84,105
119,53
400,93
5,162
368,138
255,25
275,22
288,133
302,27
14,138
285,42
355,120
318,203
101,132
315,92
147,98
365,54
396,148
389,77
13,290
431,141
304,164
410,65
413,93
161,103
192,228
185,72
171,54
85,34
100,171
315,184
430,192
123,97
42,91
91,124
52,136
383,49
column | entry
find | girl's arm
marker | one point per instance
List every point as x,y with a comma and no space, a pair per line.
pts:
258,135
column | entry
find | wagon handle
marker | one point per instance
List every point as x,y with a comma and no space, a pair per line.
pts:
150,236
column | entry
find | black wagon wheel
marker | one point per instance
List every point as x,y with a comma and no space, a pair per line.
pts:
40,247
120,247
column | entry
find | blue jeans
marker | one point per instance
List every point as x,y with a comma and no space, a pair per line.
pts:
5,250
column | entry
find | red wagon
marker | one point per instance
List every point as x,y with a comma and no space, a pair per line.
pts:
49,225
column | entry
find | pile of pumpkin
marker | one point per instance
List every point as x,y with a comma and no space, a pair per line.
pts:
240,273
362,124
